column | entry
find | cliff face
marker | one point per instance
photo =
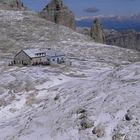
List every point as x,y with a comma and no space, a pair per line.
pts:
57,12
126,39
11,5
96,31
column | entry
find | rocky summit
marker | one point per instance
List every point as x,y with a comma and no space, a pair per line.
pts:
96,31
12,5
57,12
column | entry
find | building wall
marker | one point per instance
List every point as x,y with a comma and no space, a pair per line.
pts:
39,60
22,58
57,60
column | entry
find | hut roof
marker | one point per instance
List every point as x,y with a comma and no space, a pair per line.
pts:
32,53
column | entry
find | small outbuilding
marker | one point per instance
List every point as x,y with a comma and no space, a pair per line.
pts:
38,56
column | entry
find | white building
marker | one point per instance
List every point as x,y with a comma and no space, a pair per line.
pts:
38,56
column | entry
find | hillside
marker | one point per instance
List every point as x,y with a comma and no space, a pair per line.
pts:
129,39
126,39
97,98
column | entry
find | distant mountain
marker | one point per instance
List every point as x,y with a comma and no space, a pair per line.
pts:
119,31
113,22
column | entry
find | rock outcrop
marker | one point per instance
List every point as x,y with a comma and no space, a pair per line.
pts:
11,5
126,39
57,12
96,31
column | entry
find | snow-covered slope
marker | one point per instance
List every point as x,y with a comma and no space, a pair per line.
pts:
97,98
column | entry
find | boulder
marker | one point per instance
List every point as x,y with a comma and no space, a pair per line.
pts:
128,116
99,131
86,123
118,137
57,12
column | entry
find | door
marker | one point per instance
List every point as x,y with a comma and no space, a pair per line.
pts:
58,60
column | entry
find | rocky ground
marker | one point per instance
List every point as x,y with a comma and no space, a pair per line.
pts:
97,98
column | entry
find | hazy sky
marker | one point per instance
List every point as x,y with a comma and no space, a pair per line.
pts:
93,7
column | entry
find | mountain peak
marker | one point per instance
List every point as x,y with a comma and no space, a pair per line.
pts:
57,2
96,31
57,12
